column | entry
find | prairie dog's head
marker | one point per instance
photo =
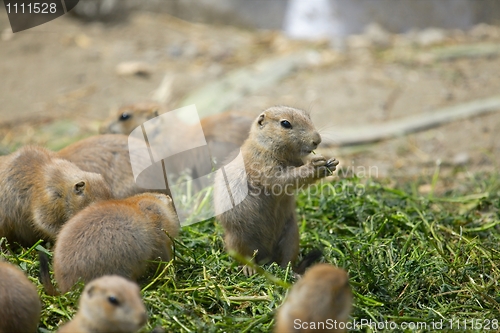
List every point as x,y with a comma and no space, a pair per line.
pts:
112,304
323,293
286,131
160,208
130,116
66,190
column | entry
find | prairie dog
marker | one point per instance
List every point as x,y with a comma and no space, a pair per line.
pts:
115,237
274,165
39,192
108,304
319,302
109,156
19,303
224,132
221,127
129,116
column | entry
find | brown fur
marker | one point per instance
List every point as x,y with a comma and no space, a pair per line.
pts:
115,237
109,156
226,127
129,116
223,132
19,303
322,294
223,127
100,313
40,192
274,159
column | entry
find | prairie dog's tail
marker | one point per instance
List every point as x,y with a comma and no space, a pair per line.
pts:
45,275
307,261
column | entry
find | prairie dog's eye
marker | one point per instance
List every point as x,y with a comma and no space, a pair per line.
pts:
113,300
125,116
286,124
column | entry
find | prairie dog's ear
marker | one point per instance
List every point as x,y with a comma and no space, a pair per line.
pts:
90,290
79,187
260,120
148,206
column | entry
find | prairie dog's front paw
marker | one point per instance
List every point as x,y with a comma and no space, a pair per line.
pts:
327,168
318,161
332,164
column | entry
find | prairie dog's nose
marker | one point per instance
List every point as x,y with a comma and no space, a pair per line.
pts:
316,139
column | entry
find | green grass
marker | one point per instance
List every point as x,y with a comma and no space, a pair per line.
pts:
410,257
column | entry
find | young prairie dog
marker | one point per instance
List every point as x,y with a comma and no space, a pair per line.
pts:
109,156
19,303
115,237
280,140
108,304
39,192
224,132
319,302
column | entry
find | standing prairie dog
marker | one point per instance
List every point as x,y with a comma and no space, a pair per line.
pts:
274,165
115,237
108,304
319,302
39,192
19,303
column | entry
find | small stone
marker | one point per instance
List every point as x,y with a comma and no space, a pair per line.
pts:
83,41
461,159
378,35
431,36
425,189
134,68
358,41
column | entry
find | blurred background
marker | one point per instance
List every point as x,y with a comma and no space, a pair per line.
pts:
359,66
